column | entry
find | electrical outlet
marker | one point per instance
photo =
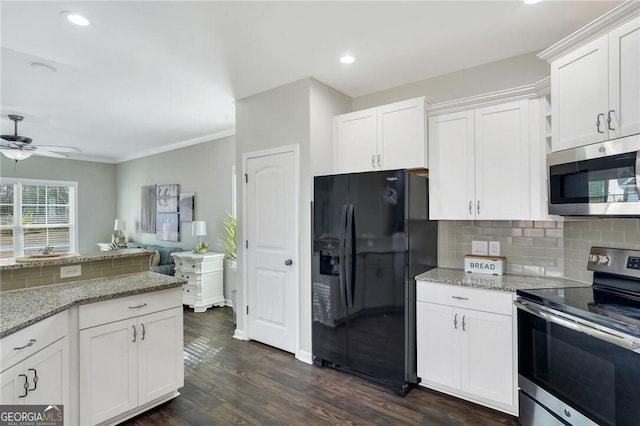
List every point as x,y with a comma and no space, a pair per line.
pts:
494,248
70,271
479,247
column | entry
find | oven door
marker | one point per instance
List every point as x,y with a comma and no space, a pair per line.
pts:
602,179
578,371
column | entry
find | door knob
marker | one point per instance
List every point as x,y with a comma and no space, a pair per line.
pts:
288,262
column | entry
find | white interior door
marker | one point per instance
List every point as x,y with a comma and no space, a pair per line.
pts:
271,234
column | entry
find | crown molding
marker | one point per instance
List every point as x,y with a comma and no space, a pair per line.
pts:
177,145
599,26
529,91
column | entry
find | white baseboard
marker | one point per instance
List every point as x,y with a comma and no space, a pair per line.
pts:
239,334
305,357
227,302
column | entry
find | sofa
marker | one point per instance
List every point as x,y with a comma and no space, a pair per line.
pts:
165,264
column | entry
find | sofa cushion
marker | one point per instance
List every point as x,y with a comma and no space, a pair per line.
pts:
154,260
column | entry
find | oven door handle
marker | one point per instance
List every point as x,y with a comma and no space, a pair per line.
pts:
583,326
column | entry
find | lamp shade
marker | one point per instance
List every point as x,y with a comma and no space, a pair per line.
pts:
16,154
199,228
120,225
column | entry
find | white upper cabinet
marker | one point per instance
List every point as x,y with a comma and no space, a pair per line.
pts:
624,79
480,163
579,96
383,138
595,80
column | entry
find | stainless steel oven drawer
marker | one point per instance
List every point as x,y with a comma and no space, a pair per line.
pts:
533,414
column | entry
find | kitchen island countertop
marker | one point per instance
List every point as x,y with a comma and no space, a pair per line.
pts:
21,308
507,282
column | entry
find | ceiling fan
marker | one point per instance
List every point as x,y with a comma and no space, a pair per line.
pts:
18,147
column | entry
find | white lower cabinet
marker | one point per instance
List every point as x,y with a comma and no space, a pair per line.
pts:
465,344
35,365
131,363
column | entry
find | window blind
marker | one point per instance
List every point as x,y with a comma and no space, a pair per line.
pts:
35,216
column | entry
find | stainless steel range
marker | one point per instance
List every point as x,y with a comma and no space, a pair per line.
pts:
579,347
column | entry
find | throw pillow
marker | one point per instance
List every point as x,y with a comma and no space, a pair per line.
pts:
154,260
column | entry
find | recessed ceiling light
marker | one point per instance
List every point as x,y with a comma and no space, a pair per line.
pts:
75,18
532,1
42,67
347,59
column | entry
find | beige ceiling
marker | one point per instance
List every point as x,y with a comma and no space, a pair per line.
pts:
146,76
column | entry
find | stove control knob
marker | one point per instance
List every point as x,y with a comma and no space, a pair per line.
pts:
604,260
594,258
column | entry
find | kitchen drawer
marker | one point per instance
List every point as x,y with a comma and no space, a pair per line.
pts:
118,309
499,302
33,338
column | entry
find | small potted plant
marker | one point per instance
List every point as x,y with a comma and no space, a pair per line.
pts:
227,240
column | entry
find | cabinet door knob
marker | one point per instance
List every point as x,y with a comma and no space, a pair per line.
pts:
288,262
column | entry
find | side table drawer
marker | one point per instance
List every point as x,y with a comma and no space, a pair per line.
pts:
186,274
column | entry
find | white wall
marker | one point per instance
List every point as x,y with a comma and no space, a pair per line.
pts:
504,74
298,113
204,169
96,192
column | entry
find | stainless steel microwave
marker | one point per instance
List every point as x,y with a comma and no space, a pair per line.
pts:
602,179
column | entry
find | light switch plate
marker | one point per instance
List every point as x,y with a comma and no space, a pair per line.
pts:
494,248
479,247
70,271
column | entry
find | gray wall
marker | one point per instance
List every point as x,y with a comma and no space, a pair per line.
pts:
204,169
96,192
300,113
504,74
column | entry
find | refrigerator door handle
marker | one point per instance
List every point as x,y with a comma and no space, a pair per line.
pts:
341,255
350,275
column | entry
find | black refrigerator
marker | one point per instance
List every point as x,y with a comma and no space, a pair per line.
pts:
371,237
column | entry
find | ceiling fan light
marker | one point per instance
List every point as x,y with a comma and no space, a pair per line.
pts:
16,154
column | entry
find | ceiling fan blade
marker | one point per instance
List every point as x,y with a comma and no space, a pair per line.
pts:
50,154
57,148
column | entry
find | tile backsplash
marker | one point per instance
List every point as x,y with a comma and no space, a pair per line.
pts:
538,247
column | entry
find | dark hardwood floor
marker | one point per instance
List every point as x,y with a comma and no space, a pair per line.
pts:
230,381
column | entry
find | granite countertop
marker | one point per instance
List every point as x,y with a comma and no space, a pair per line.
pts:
71,259
508,282
21,308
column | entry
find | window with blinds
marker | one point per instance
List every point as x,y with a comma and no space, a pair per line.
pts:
35,215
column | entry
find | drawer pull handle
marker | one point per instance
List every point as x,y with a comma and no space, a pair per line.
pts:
135,333
459,298
35,379
26,385
30,343
138,306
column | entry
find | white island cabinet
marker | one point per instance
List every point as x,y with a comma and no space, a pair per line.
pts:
35,364
465,341
205,275
131,355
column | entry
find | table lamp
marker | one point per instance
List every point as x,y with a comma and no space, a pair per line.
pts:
199,229
118,237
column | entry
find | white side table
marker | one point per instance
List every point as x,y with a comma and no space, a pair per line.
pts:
205,275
